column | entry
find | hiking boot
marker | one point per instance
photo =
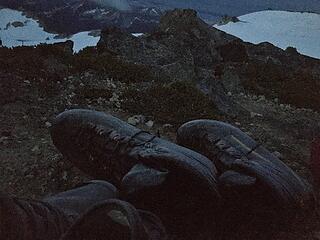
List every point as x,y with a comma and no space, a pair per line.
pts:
172,181
76,201
50,218
249,175
116,220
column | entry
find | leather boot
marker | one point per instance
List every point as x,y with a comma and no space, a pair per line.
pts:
116,220
25,219
256,185
153,174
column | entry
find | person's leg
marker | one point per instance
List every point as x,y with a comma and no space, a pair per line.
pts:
27,219
116,220
76,201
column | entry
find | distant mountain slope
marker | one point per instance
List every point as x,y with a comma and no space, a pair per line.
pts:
72,16
213,9
281,28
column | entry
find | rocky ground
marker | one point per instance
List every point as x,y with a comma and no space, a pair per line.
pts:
32,167
38,83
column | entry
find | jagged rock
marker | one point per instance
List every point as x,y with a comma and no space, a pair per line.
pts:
234,51
66,46
184,48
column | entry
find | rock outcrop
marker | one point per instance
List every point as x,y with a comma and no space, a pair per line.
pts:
185,48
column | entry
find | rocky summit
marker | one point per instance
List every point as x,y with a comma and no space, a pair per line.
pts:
185,48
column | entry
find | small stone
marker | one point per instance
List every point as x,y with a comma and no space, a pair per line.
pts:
29,176
65,175
237,123
276,100
149,124
262,98
229,94
136,119
167,126
35,149
253,114
48,124
100,100
27,82
132,121
4,140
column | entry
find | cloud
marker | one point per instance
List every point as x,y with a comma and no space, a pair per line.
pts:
122,5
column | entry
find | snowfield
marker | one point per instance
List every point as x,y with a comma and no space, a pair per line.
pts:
16,29
281,28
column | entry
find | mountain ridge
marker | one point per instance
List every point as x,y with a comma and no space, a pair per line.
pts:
104,13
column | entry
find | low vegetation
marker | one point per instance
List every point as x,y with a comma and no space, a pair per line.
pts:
110,64
173,103
297,87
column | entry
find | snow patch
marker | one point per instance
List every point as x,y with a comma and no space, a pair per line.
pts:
281,28
31,33
137,34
